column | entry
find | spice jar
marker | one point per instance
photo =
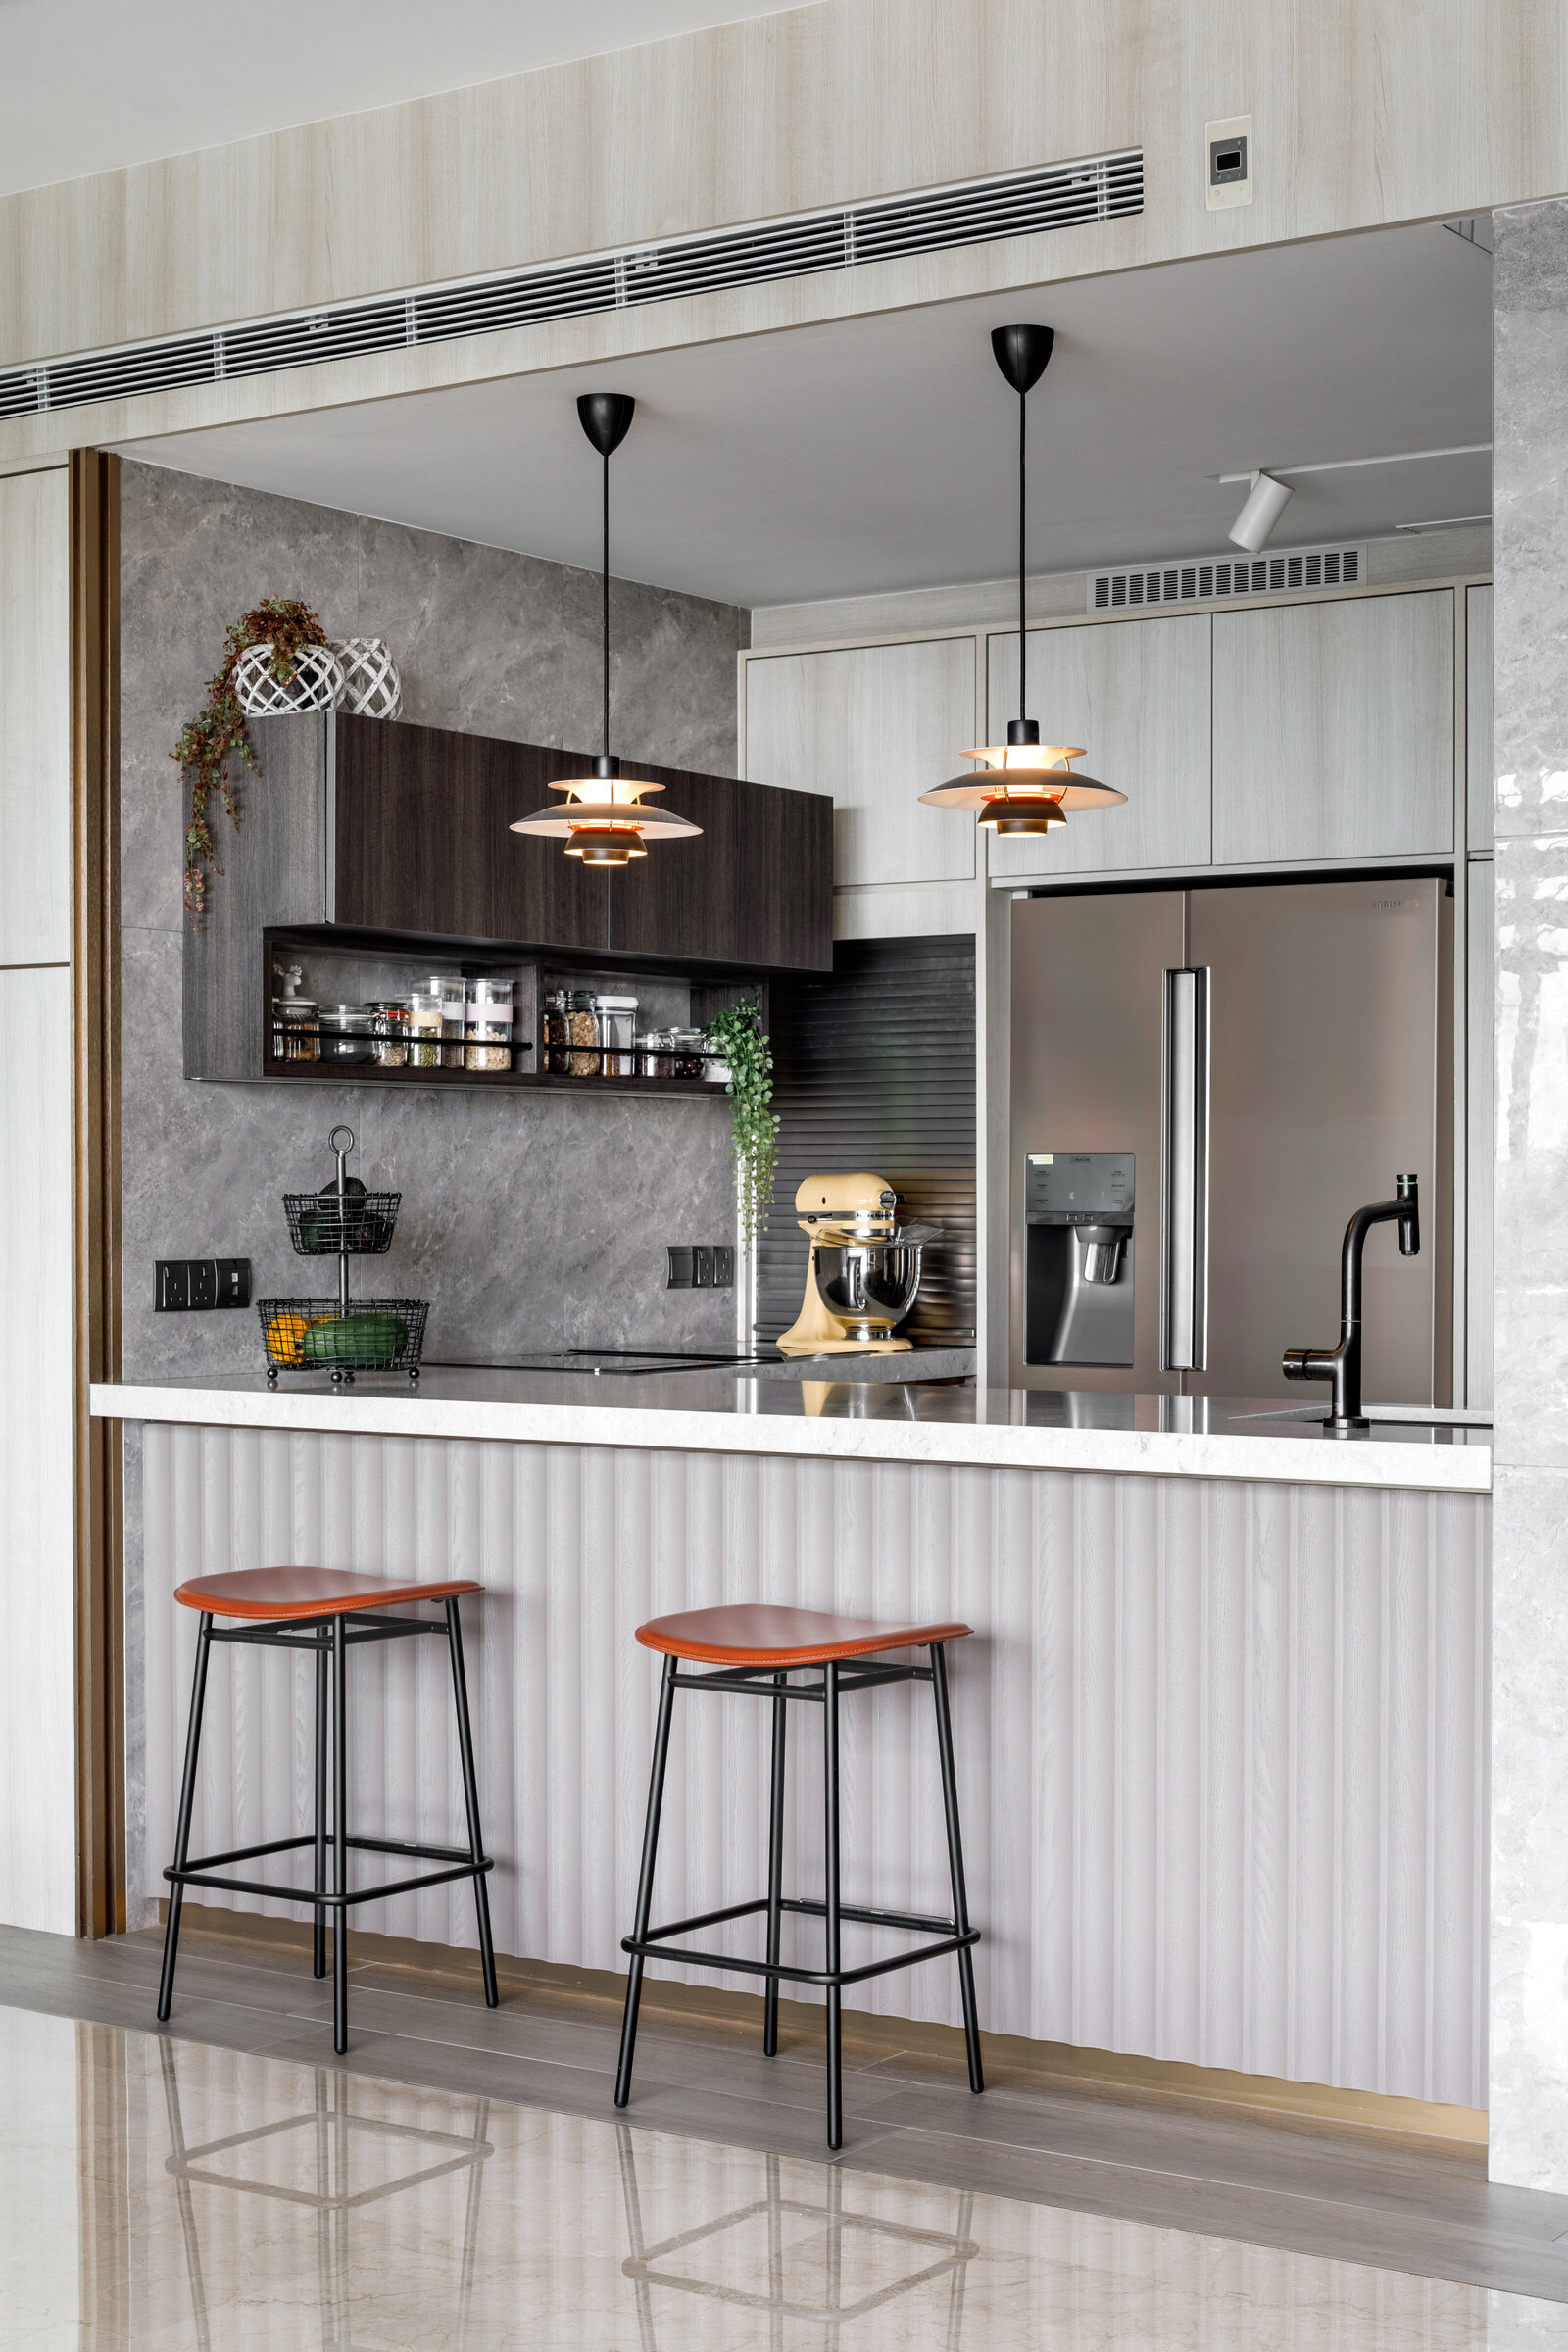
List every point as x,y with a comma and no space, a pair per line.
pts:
487,1021
425,1026
449,987
390,1022
616,1018
653,1055
688,1045
293,1029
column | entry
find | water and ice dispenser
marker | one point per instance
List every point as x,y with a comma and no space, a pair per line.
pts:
1078,1220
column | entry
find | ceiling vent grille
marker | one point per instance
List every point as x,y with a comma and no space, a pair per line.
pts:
1106,187
1200,582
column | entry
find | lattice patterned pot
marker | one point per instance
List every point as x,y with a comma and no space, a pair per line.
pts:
372,686
317,683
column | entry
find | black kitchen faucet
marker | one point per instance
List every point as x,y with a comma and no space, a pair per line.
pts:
1341,1365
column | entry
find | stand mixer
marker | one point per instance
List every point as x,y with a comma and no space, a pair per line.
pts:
864,1269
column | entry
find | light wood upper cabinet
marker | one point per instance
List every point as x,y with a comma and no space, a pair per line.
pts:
1481,777
1135,693
1333,729
876,726
34,720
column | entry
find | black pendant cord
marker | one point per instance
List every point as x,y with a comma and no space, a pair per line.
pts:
605,588
1023,509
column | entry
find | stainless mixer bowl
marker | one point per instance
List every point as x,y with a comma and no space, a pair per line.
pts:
872,1284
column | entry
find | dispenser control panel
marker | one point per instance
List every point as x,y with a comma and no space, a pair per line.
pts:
1078,1188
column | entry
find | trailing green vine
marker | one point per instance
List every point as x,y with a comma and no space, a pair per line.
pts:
738,1034
217,730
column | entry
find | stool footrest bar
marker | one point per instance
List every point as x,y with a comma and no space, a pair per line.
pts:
651,1947
191,1876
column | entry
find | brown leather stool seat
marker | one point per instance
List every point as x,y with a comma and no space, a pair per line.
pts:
756,1648
328,1611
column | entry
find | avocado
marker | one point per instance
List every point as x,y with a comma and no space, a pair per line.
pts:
365,1340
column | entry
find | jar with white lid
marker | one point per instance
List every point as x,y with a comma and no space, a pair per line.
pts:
487,1024
616,1019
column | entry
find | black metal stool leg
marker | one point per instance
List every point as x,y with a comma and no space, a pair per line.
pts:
960,1898
645,1882
322,1685
187,1800
775,1872
340,1833
834,1960
471,1800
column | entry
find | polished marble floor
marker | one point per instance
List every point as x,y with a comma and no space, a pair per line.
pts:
158,2193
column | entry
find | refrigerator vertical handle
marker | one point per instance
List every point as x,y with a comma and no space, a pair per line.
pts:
1183,1174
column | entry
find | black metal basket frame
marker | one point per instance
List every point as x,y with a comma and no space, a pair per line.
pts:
321,1314
361,1228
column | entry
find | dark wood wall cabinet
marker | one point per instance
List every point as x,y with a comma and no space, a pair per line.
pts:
364,836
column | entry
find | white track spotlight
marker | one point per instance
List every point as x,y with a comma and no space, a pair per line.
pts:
1266,501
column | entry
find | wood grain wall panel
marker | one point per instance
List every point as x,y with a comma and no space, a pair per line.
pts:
38,1474
36,718
1136,694
1387,113
1221,1745
874,727
1333,729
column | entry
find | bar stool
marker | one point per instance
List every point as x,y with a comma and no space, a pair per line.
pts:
755,1650
329,1613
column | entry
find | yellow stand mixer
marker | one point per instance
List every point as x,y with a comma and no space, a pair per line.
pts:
864,1269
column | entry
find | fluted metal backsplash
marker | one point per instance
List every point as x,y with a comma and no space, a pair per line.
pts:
874,1067
1221,1744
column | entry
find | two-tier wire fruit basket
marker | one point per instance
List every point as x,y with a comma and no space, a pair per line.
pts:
342,1335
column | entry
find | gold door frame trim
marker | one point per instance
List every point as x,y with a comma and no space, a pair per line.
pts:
94,480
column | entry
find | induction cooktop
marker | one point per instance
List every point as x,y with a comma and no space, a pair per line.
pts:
600,1360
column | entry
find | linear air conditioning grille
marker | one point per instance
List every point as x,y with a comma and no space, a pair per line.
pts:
1227,575
1106,187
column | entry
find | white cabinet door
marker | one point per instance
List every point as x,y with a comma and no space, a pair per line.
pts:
34,720
1480,780
1333,729
1135,694
876,726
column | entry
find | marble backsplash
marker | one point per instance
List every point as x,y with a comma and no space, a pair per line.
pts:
527,1222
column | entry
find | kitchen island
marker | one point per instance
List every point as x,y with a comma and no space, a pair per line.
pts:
1220,1731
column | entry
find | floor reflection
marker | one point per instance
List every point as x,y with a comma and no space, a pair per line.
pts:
164,2196
335,2190
819,2258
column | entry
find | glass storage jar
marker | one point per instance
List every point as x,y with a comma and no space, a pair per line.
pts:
449,987
390,1024
616,1018
424,1027
688,1048
293,1029
653,1055
487,1023
345,1032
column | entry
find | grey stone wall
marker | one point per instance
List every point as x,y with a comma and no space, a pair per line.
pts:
527,1222
1529,1998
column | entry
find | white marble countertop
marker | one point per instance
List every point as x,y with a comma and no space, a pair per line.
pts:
715,1412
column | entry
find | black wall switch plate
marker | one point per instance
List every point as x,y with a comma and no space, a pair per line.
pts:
724,1267
182,1284
678,1267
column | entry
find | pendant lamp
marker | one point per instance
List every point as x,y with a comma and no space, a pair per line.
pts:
1026,786
605,817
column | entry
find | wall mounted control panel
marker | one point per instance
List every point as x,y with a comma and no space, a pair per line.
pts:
700,1266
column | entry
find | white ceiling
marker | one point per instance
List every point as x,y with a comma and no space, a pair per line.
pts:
879,453
90,85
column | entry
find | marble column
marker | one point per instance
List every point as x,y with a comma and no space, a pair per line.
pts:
1528,1992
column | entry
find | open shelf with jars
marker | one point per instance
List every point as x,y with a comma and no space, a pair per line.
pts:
380,1014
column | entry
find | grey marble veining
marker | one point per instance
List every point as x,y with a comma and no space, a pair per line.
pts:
528,1223
1528,1990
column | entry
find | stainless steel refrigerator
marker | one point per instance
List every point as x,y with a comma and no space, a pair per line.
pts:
1205,1083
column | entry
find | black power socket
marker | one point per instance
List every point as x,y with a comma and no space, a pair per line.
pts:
186,1285
700,1266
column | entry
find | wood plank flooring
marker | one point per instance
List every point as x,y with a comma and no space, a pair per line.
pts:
1350,2193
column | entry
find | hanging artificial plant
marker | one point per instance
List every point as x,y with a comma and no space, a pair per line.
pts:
738,1034
218,727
